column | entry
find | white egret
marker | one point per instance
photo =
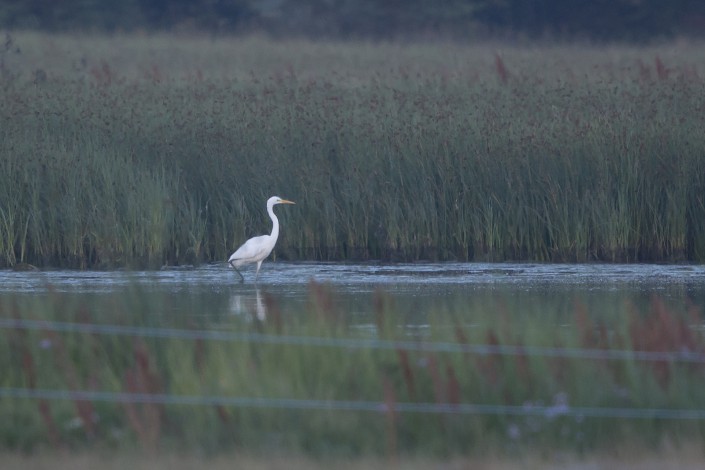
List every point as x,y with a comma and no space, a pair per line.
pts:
256,249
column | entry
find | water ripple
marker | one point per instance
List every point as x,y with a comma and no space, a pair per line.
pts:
363,276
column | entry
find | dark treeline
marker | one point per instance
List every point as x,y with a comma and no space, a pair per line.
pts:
633,20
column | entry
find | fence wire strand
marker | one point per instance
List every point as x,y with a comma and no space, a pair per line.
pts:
548,411
684,355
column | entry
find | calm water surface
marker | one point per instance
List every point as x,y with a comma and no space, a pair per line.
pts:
414,289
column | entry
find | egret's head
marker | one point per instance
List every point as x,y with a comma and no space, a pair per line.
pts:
277,200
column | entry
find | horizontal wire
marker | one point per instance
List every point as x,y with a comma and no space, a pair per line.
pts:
554,411
352,343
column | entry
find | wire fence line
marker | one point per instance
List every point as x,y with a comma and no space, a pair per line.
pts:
685,355
557,410
551,411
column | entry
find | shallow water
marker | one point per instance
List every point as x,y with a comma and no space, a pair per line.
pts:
415,289
367,276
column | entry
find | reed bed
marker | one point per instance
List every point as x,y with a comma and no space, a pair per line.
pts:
153,150
300,377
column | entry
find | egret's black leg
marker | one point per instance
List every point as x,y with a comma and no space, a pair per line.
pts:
242,278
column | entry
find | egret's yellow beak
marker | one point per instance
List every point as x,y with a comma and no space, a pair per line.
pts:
284,201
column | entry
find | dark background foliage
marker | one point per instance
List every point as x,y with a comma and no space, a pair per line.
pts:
600,20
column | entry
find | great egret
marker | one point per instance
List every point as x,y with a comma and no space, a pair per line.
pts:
256,249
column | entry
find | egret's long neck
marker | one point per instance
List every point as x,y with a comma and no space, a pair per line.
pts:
275,222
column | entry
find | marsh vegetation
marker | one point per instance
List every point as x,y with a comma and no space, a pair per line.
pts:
151,150
502,367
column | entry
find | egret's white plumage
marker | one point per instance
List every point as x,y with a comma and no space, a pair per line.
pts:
256,249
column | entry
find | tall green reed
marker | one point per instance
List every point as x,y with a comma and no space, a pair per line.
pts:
393,151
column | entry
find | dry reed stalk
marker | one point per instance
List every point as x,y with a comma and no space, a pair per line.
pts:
323,304
500,68
103,75
489,364
689,73
646,335
583,326
434,372
18,339
453,393
199,352
390,401
43,405
662,71
274,312
154,74
199,361
644,71
597,336
439,388
84,408
379,307
558,365
407,372
133,415
523,370
146,419
83,316
660,330
461,338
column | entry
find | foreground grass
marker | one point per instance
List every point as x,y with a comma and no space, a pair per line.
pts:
146,150
644,459
290,385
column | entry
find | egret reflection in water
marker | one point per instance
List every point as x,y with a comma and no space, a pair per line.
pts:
249,306
418,288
